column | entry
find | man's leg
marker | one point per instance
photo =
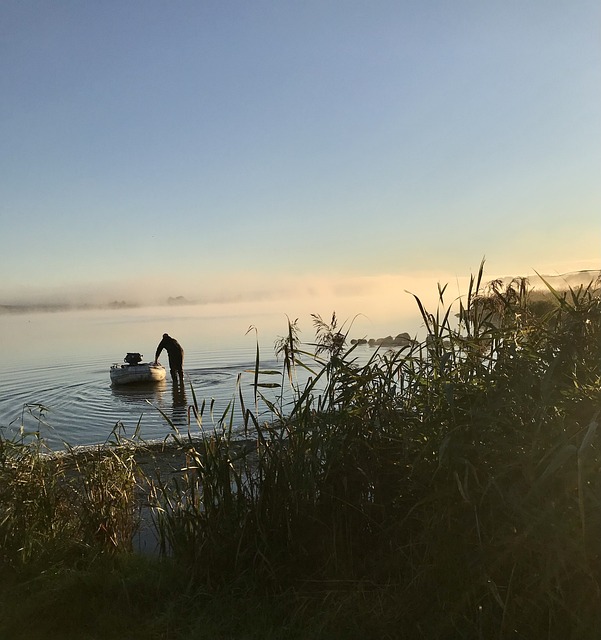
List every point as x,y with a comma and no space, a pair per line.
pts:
177,373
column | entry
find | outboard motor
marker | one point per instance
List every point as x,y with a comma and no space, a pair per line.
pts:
133,358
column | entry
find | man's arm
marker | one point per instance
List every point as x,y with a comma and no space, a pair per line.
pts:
159,349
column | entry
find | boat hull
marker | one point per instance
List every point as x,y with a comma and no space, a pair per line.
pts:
143,372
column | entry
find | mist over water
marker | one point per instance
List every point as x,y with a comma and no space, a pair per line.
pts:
61,360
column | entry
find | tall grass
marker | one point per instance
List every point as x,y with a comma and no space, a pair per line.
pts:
446,489
64,506
458,476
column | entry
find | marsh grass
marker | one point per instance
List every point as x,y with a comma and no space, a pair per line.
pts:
455,479
447,489
59,506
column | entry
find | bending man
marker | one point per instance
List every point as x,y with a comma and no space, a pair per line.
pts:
176,356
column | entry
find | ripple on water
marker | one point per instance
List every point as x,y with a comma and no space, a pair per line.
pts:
83,408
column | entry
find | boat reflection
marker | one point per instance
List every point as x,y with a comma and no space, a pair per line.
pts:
172,406
135,393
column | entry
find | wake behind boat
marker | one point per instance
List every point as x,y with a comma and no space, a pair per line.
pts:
136,371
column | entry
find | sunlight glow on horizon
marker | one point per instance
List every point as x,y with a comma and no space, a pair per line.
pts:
383,304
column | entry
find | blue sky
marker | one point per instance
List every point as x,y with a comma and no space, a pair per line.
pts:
236,149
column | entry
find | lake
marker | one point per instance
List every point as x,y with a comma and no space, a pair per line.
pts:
61,361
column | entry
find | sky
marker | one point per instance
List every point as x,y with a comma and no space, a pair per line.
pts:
247,151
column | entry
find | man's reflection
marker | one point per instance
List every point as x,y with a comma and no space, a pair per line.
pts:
179,413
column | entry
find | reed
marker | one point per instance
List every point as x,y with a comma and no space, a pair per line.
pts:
64,506
456,475
447,489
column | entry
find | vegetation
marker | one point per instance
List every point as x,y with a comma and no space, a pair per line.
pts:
447,489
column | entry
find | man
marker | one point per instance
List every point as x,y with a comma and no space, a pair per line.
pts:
176,356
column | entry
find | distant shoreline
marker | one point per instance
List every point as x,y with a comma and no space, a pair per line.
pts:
39,307
56,308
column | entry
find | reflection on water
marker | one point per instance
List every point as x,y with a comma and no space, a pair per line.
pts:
62,361
136,393
169,399
179,405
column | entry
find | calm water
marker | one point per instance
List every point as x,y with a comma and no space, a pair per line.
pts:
62,361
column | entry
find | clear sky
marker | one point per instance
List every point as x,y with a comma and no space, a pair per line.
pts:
234,149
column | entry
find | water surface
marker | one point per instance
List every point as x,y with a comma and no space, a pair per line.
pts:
61,361
55,374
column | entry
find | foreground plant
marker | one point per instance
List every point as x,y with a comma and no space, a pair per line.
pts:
447,489
55,506
459,474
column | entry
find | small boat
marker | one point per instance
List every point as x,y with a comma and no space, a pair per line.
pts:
136,371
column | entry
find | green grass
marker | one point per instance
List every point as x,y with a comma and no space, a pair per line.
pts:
448,489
